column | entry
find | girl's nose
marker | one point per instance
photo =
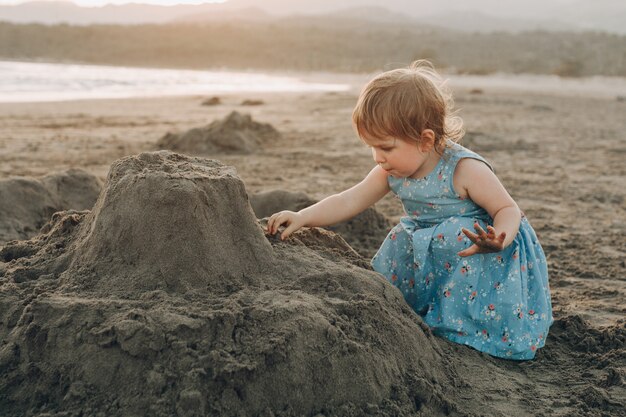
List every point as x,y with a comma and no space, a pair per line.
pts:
378,157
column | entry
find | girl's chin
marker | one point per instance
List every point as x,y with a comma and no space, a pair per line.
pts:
395,174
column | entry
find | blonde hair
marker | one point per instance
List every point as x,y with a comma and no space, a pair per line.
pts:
401,103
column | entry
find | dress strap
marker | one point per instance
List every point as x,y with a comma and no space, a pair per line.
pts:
458,152
453,154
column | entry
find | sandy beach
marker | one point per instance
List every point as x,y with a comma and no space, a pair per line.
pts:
560,156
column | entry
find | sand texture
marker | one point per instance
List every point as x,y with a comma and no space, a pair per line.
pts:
236,133
364,232
268,328
26,204
164,296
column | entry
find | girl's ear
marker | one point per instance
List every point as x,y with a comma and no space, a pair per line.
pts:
427,140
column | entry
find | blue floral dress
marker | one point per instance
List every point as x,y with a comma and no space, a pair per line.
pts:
498,303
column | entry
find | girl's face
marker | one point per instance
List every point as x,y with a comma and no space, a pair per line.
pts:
400,158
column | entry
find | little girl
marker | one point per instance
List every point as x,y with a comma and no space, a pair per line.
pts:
487,289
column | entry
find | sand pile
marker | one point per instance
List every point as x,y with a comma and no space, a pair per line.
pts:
26,204
156,226
168,299
237,133
364,232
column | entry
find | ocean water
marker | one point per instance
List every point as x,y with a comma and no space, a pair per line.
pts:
33,82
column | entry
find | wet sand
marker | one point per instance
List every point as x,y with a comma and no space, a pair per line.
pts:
561,157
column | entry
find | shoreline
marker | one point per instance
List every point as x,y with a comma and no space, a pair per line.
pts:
601,87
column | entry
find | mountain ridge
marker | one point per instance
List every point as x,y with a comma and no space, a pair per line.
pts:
561,15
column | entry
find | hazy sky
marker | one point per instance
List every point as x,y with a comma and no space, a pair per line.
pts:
172,2
103,2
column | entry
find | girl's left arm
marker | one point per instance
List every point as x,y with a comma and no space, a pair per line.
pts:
474,179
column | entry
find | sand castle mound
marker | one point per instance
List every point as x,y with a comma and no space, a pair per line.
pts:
364,232
161,223
237,133
26,204
168,299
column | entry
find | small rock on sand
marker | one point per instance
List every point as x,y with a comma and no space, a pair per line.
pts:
213,101
252,102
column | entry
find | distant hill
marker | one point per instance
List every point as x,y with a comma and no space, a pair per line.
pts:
485,23
482,16
251,13
599,15
364,13
316,43
52,12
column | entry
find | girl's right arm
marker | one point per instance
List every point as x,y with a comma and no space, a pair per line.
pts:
335,208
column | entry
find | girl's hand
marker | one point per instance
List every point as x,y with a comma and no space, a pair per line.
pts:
293,220
484,242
